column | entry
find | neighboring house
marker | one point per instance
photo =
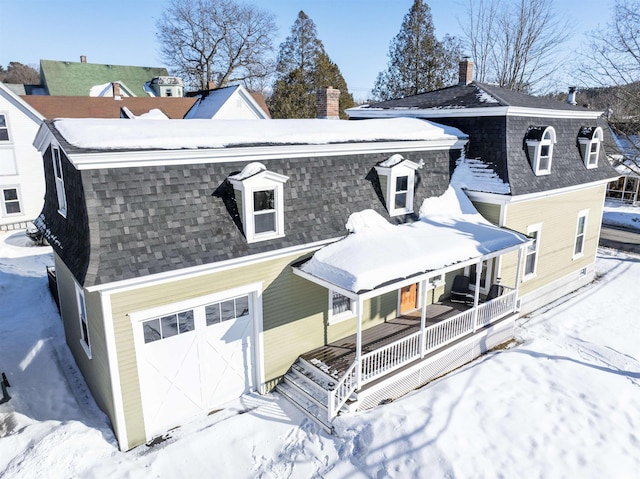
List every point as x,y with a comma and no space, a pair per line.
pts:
21,177
625,189
229,103
195,264
62,78
551,161
90,107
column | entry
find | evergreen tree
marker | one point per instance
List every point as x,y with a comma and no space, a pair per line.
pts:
302,68
418,62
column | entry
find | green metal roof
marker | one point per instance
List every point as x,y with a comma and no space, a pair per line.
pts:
77,79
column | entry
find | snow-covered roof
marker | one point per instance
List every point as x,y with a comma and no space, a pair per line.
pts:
450,231
111,134
476,175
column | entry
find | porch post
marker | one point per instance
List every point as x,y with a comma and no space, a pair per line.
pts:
423,317
517,287
476,295
359,345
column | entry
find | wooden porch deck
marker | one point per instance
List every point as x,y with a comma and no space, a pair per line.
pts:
336,357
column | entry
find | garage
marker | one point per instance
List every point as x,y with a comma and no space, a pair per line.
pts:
194,357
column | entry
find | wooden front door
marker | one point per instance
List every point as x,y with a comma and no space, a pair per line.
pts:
409,298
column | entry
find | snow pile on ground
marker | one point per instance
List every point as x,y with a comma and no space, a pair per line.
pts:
621,215
561,403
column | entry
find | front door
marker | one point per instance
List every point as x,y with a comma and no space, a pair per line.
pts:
409,298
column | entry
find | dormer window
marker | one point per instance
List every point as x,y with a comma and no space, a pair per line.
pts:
259,196
589,141
397,180
539,141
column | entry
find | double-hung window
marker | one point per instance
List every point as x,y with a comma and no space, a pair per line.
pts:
539,141
259,194
397,180
59,177
581,231
589,141
531,253
4,128
84,322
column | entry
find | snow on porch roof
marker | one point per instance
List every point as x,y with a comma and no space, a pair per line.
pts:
450,231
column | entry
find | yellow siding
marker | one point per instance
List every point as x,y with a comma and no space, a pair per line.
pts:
294,314
491,212
559,216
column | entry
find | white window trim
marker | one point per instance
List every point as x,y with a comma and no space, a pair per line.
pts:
4,202
537,145
472,285
535,228
587,143
83,320
403,168
581,214
348,314
56,158
264,180
9,140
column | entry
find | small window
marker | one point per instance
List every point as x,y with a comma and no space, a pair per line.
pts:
168,326
10,201
539,142
340,307
57,171
581,231
4,128
84,322
227,310
260,199
397,180
531,254
589,141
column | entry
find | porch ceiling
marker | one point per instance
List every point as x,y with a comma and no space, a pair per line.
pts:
381,254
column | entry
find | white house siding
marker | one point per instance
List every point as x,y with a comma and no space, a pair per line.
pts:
28,175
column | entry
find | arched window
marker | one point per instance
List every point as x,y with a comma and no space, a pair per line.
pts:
539,141
589,140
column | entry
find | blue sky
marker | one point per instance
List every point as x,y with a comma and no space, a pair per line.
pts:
355,33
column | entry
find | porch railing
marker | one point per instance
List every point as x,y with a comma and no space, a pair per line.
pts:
399,353
390,357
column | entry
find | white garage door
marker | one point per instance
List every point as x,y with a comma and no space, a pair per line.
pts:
194,360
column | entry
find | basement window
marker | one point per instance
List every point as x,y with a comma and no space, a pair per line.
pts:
539,142
259,196
589,140
397,180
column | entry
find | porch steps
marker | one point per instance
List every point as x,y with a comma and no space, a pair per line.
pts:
307,388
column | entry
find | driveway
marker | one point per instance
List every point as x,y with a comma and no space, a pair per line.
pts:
620,239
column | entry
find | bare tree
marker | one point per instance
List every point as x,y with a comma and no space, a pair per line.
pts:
218,41
16,72
513,43
611,61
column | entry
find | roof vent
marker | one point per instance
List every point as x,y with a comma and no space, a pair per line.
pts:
571,99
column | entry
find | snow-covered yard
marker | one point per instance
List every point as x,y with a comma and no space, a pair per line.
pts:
620,215
560,402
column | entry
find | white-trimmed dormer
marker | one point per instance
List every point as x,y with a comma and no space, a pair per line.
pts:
259,196
589,140
539,141
397,183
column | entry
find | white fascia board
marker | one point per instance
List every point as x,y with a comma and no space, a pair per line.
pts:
44,138
141,158
196,271
495,198
20,104
251,103
433,113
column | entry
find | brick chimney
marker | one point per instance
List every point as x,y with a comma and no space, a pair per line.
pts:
211,85
328,103
83,59
116,90
465,72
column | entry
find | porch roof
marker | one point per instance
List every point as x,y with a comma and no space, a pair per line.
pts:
376,253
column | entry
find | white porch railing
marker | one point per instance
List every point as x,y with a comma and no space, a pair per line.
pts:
399,353
496,308
390,357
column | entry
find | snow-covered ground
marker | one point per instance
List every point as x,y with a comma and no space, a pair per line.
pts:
621,215
563,401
